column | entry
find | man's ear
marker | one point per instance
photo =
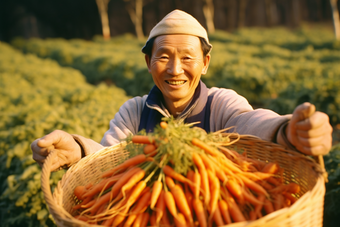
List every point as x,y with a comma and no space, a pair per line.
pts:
147,60
206,62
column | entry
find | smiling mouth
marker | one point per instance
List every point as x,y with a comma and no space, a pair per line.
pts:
175,82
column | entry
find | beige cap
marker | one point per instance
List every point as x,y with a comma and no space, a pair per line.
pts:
178,22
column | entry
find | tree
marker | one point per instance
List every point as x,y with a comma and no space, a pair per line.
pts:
135,10
102,8
336,20
208,11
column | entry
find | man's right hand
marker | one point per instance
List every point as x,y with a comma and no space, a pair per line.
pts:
68,150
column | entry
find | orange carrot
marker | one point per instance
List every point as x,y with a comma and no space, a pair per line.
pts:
153,221
127,163
156,191
214,189
181,202
145,219
208,149
278,201
222,177
188,196
120,183
249,197
167,170
271,167
235,211
199,211
253,185
79,192
102,185
108,222
142,139
235,189
163,125
217,217
135,193
169,182
291,188
142,203
208,163
149,148
259,207
120,217
180,220
204,177
170,203
223,206
133,180
290,197
268,206
252,215
160,207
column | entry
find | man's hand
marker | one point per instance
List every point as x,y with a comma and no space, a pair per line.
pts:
309,130
67,148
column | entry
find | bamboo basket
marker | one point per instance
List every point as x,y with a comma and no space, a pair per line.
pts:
298,168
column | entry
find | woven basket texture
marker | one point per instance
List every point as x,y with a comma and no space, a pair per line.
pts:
298,168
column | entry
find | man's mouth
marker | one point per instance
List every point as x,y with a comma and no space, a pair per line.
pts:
175,82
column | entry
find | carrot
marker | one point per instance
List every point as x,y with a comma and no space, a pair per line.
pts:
108,222
252,215
222,177
214,189
99,202
160,207
181,202
290,197
268,206
163,125
235,189
167,170
278,201
120,183
217,217
208,163
170,203
142,139
208,149
271,167
79,192
204,177
223,206
252,185
120,217
199,211
142,203
195,178
249,197
153,221
145,219
127,163
156,191
135,193
133,180
169,182
291,188
235,211
149,149
188,196
102,186
180,220
259,207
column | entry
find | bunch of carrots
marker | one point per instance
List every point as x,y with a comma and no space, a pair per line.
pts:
181,176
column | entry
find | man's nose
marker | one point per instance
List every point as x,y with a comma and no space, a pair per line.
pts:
174,67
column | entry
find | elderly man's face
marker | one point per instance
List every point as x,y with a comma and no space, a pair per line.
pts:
176,65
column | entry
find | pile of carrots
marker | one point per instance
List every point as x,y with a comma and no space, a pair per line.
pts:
181,176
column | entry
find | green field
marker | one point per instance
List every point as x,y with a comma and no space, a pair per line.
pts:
78,86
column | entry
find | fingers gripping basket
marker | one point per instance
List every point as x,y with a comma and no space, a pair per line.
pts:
306,212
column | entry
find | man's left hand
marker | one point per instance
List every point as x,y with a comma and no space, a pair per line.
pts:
309,130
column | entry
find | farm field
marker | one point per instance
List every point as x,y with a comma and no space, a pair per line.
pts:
78,86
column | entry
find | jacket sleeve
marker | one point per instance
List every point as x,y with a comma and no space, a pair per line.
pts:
124,123
230,110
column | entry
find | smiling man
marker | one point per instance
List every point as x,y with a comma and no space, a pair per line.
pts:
177,53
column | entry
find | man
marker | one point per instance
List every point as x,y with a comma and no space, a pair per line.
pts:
177,53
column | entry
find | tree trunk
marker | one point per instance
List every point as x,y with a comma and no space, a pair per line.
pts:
208,11
102,8
336,20
242,13
136,15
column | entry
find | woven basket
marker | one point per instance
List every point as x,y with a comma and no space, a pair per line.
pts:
306,212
